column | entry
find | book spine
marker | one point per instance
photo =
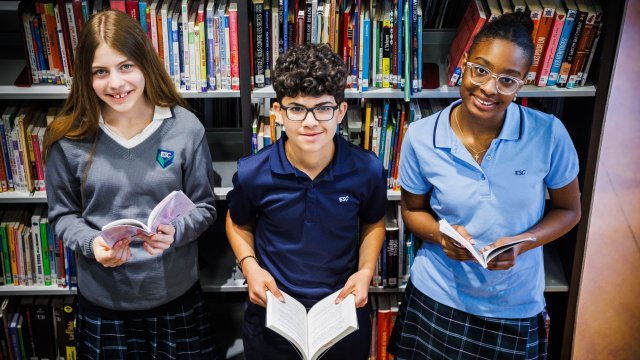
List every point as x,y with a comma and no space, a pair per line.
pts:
233,38
563,42
258,56
572,47
545,68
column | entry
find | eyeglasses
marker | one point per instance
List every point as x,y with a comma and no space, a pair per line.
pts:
505,84
320,113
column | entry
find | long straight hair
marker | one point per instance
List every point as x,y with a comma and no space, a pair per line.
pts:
78,118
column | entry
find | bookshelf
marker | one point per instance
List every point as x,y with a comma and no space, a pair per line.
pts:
582,111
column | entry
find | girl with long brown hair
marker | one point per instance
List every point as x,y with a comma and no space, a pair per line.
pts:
122,142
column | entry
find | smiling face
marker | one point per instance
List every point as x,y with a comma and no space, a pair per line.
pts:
311,136
484,102
118,82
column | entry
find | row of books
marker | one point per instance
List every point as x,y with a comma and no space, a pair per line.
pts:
38,327
380,41
30,254
376,125
565,36
22,129
197,40
398,251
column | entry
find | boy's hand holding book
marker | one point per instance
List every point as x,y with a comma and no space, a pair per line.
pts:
358,286
259,281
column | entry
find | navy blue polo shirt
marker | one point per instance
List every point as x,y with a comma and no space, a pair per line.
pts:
307,231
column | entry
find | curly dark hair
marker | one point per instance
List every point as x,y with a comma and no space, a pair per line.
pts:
513,27
310,70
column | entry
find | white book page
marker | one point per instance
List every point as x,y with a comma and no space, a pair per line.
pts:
288,319
448,230
488,255
330,322
158,208
130,222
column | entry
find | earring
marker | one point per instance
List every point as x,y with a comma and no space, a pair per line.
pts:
515,97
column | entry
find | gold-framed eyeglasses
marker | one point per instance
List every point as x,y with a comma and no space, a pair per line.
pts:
320,112
505,84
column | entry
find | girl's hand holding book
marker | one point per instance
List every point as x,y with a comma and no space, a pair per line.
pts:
156,243
454,250
111,256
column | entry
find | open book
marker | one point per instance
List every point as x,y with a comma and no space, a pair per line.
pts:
315,332
482,257
168,209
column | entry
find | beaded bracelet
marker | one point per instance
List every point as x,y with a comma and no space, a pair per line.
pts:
245,258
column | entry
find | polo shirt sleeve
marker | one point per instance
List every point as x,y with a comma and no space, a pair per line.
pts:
375,206
564,164
241,208
411,177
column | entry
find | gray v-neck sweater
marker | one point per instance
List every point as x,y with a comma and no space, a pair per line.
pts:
128,183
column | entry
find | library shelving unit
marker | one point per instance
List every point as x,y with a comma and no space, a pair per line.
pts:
581,109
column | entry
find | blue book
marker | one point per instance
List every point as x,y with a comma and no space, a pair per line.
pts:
211,72
142,8
169,35
562,46
383,130
183,83
419,52
44,64
285,25
7,159
366,48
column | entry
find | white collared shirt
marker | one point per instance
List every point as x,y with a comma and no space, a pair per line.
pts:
159,114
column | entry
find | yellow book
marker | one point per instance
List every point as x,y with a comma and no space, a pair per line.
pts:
367,124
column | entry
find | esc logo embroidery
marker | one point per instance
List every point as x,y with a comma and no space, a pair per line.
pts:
343,199
164,158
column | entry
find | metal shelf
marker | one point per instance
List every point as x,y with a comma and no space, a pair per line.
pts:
36,290
216,280
41,196
12,68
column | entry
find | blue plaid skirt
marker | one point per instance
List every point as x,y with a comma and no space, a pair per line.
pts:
426,329
180,332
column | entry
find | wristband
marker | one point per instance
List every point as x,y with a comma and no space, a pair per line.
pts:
245,258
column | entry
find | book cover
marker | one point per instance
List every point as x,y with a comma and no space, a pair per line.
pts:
472,21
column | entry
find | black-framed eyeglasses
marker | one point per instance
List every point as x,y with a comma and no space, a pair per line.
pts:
320,112
505,84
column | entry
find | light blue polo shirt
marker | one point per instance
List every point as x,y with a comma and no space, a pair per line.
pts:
504,196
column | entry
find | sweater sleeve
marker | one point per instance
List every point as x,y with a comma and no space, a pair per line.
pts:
198,186
65,203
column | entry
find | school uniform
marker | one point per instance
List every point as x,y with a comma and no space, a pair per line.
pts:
502,196
307,231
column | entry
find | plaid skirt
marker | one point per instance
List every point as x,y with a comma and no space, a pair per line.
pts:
426,329
181,333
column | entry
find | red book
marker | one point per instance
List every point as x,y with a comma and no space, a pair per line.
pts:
233,45
550,51
471,23
119,5
133,9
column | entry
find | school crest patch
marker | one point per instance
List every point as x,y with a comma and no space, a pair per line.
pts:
164,158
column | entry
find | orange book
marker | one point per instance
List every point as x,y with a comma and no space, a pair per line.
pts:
545,21
384,324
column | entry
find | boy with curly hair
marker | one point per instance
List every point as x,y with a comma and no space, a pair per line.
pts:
306,215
